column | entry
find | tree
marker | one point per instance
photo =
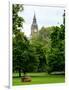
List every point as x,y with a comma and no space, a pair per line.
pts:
24,56
56,56
19,45
41,45
30,60
17,21
49,46
17,24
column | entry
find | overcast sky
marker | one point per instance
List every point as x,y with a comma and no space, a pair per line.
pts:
46,16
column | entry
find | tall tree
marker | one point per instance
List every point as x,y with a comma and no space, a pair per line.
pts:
17,24
41,45
24,56
56,56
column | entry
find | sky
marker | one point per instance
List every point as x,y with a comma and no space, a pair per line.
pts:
46,16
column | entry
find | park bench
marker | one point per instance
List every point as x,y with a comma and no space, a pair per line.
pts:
26,79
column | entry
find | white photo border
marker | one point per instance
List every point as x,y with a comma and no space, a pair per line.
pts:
10,47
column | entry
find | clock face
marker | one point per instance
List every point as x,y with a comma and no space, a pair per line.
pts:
35,30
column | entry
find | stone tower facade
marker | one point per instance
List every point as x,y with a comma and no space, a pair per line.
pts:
34,27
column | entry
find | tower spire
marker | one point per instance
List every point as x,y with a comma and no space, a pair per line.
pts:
34,26
64,18
34,18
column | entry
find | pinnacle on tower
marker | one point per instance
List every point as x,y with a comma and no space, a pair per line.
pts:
34,26
64,17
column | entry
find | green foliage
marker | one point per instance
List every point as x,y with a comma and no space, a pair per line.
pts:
19,45
17,21
30,61
49,46
40,43
56,56
24,56
45,52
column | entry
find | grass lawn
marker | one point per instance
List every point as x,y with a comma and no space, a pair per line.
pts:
39,78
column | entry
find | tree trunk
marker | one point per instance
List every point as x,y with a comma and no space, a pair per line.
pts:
24,73
19,72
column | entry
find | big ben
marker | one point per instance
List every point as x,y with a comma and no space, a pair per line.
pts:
34,27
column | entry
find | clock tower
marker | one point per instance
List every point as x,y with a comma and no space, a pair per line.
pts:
34,27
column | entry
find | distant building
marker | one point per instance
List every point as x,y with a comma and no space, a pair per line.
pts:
64,18
34,27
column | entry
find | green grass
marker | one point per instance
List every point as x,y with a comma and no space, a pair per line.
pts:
39,78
